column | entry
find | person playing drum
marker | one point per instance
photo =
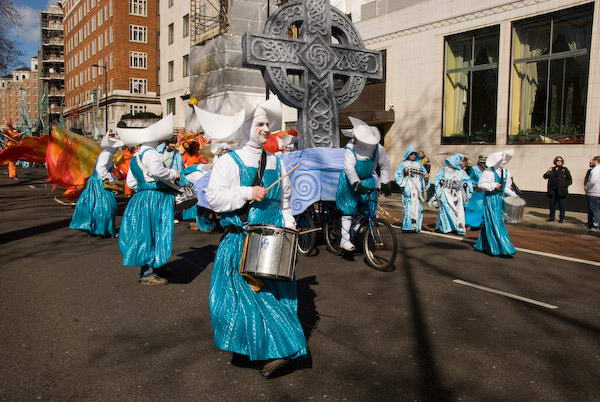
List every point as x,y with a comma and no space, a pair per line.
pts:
496,181
97,206
362,156
250,317
146,233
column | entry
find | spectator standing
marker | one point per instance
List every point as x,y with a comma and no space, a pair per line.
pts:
559,180
592,191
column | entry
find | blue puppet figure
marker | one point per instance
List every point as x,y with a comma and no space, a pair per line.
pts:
413,180
453,188
496,181
96,207
474,209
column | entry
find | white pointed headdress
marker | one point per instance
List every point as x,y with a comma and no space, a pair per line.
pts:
217,146
219,127
110,141
498,157
161,130
362,132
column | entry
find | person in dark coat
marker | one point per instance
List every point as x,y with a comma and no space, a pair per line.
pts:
559,180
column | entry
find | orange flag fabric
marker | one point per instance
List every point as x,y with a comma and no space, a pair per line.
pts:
30,149
70,160
272,145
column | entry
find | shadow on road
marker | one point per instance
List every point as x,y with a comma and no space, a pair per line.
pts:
191,264
33,231
430,387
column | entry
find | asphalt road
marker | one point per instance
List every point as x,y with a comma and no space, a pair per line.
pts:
76,325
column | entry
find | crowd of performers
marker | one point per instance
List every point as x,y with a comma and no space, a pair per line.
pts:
257,319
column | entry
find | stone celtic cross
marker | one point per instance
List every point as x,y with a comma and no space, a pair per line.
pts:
317,60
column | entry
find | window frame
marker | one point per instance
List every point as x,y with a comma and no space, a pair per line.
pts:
470,70
139,29
564,55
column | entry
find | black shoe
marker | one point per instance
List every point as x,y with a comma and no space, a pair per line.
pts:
561,220
550,220
271,366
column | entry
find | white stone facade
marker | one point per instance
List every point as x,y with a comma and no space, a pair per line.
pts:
414,39
174,84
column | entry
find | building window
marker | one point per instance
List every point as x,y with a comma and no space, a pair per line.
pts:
471,87
138,33
170,3
186,25
138,85
549,78
171,106
170,71
138,7
135,109
171,34
186,65
138,60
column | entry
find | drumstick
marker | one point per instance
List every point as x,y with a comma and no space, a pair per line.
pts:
281,178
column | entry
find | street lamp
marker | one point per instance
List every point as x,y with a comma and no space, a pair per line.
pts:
105,95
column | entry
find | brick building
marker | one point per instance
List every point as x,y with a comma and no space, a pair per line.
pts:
120,38
11,86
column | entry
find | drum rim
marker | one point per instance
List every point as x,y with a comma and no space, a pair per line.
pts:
248,228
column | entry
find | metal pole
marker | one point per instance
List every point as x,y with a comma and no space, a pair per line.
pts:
105,100
268,14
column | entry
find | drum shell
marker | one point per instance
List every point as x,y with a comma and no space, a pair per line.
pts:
513,209
270,252
185,199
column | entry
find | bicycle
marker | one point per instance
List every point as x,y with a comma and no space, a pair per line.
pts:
310,222
378,238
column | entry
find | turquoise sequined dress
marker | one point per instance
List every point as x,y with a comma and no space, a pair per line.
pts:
146,233
262,325
96,209
494,238
350,202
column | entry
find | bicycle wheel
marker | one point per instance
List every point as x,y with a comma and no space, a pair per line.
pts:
333,234
304,221
380,245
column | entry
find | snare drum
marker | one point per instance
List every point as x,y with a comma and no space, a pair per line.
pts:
269,252
185,198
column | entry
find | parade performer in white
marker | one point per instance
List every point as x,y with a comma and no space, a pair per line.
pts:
97,206
496,181
250,317
146,233
362,156
453,188
413,179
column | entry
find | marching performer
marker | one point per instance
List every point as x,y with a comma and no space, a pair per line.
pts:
255,318
453,188
146,233
362,156
496,181
474,209
97,206
412,177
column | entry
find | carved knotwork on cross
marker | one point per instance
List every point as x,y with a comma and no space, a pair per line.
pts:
317,60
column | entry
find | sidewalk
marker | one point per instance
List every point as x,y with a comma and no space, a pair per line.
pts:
532,217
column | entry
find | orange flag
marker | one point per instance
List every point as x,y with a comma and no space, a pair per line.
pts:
70,160
272,145
30,149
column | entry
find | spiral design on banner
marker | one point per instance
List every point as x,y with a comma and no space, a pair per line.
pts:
305,190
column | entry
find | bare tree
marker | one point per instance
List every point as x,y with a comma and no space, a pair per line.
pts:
10,55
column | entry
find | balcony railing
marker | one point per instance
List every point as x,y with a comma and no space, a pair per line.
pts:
54,76
53,25
55,42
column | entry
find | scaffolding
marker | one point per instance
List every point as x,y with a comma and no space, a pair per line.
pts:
208,19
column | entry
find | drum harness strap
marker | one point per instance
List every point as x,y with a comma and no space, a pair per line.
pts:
243,211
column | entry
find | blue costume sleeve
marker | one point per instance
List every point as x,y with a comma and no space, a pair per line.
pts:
437,183
399,173
466,180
